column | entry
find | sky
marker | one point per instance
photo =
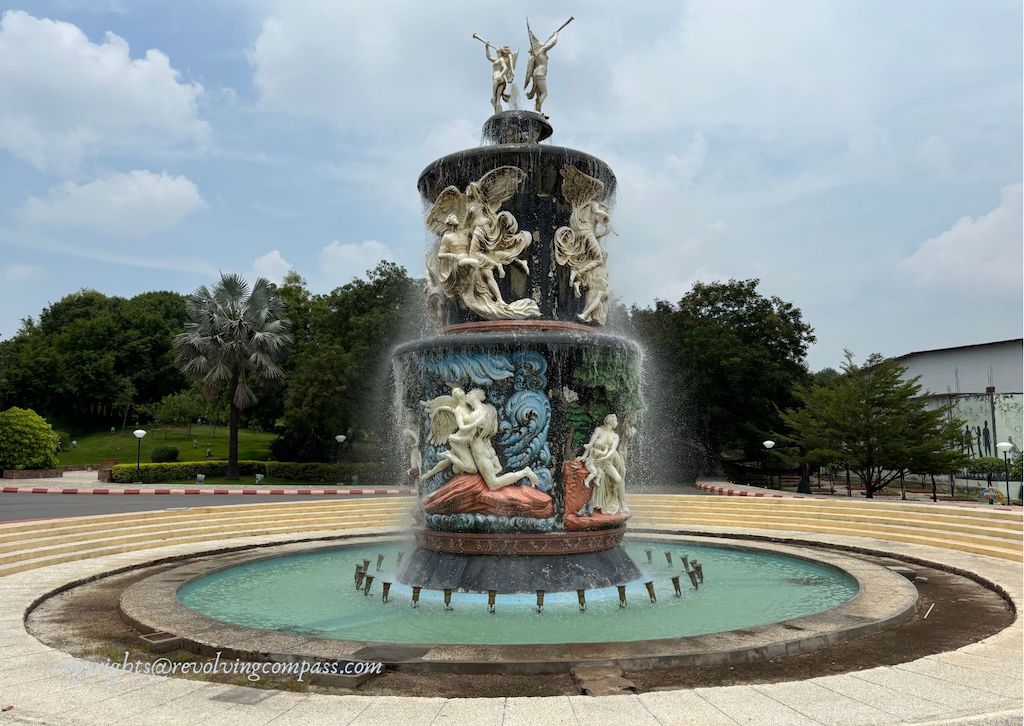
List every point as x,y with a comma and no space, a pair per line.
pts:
862,158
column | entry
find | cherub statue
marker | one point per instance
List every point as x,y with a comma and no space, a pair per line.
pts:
476,242
579,247
466,422
537,66
605,468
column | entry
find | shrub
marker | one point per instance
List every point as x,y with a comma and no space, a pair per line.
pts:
26,440
986,466
368,473
164,453
63,440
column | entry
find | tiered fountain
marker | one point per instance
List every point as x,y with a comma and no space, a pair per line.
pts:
520,413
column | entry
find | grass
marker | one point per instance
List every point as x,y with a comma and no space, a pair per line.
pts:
103,445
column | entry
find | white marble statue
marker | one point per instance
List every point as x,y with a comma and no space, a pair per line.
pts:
579,246
503,71
476,242
537,66
466,423
411,437
606,470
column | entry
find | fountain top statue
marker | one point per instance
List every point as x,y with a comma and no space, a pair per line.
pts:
503,67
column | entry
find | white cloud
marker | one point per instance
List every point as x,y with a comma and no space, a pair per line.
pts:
133,204
339,262
18,272
982,252
63,97
271,266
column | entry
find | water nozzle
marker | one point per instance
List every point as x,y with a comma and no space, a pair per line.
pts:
650,556
447,598
384,595
581,595
676,586
650,591
668,557
540,601
416,596
368,584
622,596
380,561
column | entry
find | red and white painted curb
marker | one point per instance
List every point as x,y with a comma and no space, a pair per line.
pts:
728,491
348,491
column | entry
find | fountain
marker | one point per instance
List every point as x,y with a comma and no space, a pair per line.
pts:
520,412
518,417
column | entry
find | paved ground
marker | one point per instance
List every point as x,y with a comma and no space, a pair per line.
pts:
14,507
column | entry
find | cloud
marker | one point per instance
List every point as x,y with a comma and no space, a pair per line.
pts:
983,251
63,97
271,266
18,272
339,262
133,204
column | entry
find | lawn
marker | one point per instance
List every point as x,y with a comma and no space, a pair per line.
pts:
101,446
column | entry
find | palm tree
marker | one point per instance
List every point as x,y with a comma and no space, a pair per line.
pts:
234,338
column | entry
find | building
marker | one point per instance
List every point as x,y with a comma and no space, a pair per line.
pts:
985,385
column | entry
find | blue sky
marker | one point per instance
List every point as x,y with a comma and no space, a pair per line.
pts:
862,157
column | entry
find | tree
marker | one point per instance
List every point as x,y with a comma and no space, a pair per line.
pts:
337,381
873,421
91,358
724,361
26,440
234,338
184,407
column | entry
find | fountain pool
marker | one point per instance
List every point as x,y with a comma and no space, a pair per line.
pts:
314,593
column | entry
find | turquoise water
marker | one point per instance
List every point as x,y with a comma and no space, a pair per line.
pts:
315,593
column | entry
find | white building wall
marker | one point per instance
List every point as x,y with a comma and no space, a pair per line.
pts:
969,369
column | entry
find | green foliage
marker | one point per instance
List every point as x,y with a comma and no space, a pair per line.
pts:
873,421
336,374
986,466
1015,468
63,440
164,453
184,408
606,383
91,359
278,471
26,440
724,361
235,339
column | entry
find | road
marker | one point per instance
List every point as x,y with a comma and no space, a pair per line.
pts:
44,506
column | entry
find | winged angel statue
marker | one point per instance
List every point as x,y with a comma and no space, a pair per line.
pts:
476,242
579,247
466,423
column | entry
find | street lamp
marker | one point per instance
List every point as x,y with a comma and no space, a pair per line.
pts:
139,433
768,445
1006,447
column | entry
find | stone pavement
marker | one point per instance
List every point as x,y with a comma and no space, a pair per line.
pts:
980,683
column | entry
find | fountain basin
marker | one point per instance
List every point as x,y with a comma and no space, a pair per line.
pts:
882,600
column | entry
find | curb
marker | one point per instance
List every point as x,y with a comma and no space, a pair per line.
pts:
726,491
176,492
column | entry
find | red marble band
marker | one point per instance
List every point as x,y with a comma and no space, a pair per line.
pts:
525,543
483,326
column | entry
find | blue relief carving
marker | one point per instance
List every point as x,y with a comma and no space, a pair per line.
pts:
530,370
515,385
523,430
481,369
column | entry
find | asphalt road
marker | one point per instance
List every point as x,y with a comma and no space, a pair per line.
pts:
45,506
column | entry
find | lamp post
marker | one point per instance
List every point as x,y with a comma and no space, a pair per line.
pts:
1006,447
139,433
768,446
340,438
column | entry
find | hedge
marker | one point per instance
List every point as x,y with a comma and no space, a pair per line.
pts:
163,454
273,470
